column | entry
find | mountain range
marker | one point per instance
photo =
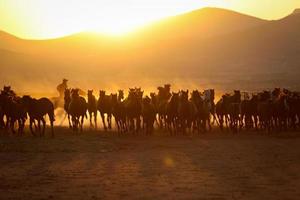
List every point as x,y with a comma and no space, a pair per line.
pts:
210,47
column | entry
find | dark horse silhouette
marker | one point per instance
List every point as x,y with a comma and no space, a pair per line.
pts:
119,111
105,107
12,107
172,113
148,114
92,108
133,105
67,101
37,109
77,109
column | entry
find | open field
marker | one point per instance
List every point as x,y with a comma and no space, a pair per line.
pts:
97,165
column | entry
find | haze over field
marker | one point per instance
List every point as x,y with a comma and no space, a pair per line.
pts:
209,47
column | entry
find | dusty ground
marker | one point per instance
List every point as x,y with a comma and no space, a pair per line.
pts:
96,165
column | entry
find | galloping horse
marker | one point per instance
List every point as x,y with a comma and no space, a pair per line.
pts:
37,109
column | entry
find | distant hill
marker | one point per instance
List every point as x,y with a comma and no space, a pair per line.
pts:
296,11
208,47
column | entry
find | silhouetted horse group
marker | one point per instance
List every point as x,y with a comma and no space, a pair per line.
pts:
175,112
14,111
178,112
269,111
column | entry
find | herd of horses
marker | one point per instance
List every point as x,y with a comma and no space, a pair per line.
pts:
179,112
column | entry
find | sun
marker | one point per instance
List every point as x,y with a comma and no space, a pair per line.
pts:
116,27
55,18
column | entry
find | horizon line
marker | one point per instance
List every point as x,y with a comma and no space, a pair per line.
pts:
111,35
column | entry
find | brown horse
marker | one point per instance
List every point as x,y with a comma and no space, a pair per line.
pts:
67,101
104,106
249,112
172,113
37,109
92,108
5,96
265,111
2,114
203,109
13,109
16,113
119,111
186,112
77,109
133,105
148,115
164,94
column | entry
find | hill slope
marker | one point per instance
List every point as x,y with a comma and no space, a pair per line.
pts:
211,47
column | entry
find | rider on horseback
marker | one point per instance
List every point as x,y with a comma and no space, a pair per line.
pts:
62,87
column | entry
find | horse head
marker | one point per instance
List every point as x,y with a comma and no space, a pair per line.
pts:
121,94
102,93
114,98
147,100
90,93
184,95
167,88
6,88
75,93
26,100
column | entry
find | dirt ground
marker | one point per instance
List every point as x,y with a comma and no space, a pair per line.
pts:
97,165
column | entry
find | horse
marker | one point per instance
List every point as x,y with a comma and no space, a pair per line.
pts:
12,108
104,106
67,101
172,113
77,109
221,112
163,96
2,123
148,115
281,111
119,111
92,108
265,110
37,109
209,100
16,113
133,106
249,112
186,111
203,110
154,102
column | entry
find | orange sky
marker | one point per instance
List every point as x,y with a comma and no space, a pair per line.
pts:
37,19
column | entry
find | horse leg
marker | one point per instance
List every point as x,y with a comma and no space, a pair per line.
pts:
39,127
44,125
30,126
91,116
74,123
81,123
109,120
52,129
12,123
2,124
70,121
7,124
209,124
103,120
138,124
20,126
256,123
95,119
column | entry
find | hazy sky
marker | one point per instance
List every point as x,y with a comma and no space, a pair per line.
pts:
54,18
